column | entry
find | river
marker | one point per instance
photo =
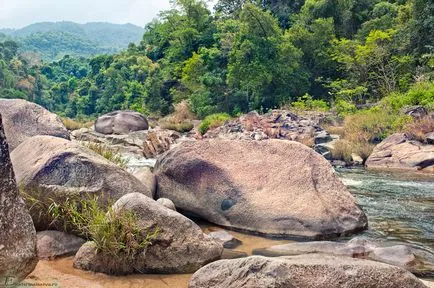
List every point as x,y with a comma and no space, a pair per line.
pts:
400,208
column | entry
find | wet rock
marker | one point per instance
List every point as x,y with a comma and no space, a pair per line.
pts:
51,168
23,119
398,255
167,203
270,187
121,122
52,244
17,236
314,271
179,247
399,152
233,254
228,240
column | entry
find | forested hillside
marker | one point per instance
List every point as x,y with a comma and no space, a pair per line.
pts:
244,56
52,40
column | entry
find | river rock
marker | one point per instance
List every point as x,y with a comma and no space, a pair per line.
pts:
17,236
52,244
147,143
314,271
147,177
399,152
399,255
23,119
121,122
269,187
179,247
167,203
228,240
53,168
276,124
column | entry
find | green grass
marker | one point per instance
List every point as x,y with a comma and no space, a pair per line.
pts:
213,121
115,233
108,153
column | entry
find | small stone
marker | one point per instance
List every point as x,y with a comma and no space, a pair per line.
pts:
167,203
228,240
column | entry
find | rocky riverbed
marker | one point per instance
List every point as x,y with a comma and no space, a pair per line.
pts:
277,189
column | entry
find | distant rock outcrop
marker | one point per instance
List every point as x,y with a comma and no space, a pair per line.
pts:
399,152
23,119
271,187
17,234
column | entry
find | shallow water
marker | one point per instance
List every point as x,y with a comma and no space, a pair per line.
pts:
400,208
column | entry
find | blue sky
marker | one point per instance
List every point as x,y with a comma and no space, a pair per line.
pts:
19,13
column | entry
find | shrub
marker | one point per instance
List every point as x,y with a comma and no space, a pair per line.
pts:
342,150
71,124
344,108
116,233
213,121
307,103
180,120
419,94
179,127
373,125
108,153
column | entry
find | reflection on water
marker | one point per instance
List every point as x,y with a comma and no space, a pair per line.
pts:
400,207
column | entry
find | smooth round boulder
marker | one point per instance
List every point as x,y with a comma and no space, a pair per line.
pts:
52,244
23,119
54,169
180,246
167,203
17,236
313,271
121,122
272,187
148,178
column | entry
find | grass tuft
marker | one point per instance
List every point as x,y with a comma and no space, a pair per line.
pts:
108,153
213,121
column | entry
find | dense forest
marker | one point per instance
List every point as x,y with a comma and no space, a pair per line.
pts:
244,55
52,40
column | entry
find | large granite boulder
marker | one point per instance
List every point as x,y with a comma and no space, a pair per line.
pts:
17,236
313,271
179,247
50,168
272,187
121,122
399,152
52,244
23,119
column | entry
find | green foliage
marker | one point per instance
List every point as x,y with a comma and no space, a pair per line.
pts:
106,152
213,121
115,233
419,94
343,107
307,103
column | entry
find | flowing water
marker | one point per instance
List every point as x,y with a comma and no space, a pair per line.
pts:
400,208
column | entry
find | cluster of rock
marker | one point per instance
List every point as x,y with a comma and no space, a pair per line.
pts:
277,124
399,254
399,151
280,188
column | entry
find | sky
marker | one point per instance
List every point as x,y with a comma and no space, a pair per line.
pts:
20,13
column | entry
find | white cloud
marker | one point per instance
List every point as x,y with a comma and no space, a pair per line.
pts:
19,13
